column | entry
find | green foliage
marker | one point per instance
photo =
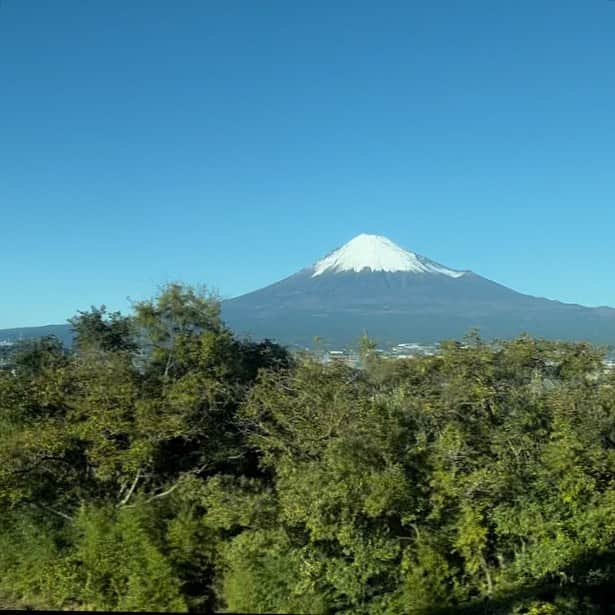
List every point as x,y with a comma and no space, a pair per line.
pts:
33,357
120,566
97,330
34,571
164,464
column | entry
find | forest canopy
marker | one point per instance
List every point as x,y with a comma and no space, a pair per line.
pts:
161,463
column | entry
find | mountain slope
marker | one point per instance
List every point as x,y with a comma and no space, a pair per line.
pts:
372,285
63,332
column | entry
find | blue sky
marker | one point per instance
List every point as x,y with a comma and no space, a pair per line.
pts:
233,143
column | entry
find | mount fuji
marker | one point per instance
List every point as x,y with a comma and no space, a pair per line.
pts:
373,285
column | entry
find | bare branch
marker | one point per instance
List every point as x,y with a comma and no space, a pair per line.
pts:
131,490
171,489
164,493
52,510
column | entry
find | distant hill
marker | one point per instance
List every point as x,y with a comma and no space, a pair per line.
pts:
63,332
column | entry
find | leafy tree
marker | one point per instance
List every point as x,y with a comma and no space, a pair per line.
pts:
164,464
31,357
102,331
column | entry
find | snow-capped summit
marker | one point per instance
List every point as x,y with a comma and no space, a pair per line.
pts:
378,253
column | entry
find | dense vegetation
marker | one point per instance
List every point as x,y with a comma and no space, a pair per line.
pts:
163,464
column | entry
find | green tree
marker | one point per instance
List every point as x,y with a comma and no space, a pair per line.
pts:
99,330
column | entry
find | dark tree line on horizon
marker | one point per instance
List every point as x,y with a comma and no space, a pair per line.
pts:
164,464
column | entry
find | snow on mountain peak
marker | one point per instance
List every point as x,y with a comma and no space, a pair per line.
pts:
378,253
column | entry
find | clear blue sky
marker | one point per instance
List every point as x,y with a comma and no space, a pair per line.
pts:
232,143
